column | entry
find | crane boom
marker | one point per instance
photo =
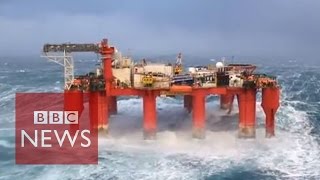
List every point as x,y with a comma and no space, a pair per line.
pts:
68,47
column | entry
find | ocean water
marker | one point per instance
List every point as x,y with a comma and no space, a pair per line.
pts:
293,154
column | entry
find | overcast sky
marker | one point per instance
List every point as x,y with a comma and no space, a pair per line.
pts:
210,27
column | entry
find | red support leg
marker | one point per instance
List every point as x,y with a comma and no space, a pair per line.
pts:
226,101
98,110
93,109
149,115
104,111
270,105
113,106
73,101
247,113
198,114
107,52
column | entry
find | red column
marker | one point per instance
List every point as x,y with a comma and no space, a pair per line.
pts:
107,52
73,101
103,112
187,102
247,113
198,114
93,109
149,115
98,110
226,101
270,105
113,106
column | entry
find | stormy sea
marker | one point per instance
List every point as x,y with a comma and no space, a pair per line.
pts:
293,154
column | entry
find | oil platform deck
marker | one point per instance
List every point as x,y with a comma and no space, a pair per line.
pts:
120,76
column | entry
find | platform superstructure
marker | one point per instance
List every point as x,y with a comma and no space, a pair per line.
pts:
118,75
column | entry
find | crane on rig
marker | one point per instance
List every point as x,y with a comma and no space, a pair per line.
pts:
178,68
61,54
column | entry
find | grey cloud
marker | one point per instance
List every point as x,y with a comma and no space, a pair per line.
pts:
282,27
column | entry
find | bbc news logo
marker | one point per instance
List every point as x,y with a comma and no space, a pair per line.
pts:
46,133
55,117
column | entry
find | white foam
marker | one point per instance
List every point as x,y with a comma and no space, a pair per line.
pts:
294,153
6,144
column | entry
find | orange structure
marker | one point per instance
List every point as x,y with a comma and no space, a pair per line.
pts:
198,113
107,54
226,101
73,101
247,113
103,91
98,110
149,115
270,107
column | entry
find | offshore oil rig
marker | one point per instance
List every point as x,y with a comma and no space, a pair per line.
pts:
118,75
